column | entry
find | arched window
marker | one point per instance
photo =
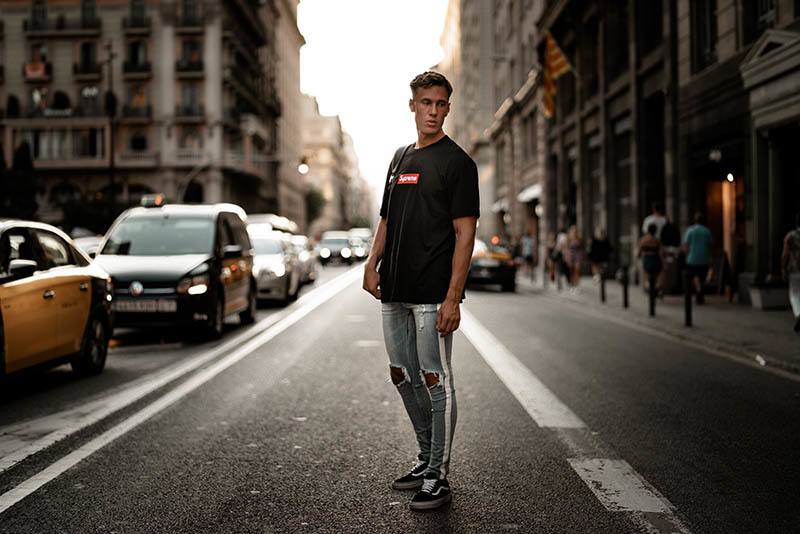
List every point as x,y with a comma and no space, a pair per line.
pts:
138,141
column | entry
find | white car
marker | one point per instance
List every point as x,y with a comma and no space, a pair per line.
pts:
306,260
275,267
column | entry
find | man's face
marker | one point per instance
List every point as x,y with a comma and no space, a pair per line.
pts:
430,106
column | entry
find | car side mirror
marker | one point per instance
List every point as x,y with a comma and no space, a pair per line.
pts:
93,254
231,252
22,268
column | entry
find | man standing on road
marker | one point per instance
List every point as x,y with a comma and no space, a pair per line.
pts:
424,244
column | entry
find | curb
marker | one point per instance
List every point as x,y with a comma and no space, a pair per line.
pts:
714,346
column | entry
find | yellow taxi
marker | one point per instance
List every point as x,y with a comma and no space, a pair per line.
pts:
55,304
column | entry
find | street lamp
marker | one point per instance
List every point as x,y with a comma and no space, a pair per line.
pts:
303,168
729,177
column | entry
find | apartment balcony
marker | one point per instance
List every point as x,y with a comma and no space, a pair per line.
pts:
62,27
189,70
38,73
136,114
190,157
129,159
241,81
232,117
190,24
87,72
137,70
255,165
138,25
190,114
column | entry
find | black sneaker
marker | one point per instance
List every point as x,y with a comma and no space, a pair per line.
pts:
434,493
797,324
413,479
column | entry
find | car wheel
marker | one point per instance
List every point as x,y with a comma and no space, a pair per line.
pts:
510,286
216,322
248,316
92,358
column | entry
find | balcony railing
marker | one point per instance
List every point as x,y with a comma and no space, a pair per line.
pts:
189,156
137,69
43,72
133,159
137,24
37,27
190,23
86,71
186,67
137,112
189,110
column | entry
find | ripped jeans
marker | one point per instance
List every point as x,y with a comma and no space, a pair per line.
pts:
415,347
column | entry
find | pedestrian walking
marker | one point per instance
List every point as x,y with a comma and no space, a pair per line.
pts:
560,257
697,244
574,257
599,253
551,256
790,263
528,249
424,244
656,217
652,254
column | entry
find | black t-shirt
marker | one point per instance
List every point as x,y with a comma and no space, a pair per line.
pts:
432,186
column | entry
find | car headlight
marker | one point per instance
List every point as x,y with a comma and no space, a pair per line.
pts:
193,285
304,256
345,253
360,252
278,270
325,253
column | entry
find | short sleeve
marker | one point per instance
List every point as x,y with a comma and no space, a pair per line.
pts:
385,200
463,177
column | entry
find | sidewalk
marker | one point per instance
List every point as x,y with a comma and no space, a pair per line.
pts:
764,337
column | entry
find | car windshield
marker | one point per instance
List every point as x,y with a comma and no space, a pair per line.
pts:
161,236
334,242
266,245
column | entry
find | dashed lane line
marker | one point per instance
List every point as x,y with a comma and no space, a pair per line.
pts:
21,440
613,481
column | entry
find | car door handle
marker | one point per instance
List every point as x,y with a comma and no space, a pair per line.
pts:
84,286
49,294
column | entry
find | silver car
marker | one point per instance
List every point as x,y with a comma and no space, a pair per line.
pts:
275,267
306,259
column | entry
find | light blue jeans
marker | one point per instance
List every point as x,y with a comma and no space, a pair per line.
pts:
414,345
794,293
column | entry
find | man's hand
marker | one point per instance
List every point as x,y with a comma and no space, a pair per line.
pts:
371,281
448,318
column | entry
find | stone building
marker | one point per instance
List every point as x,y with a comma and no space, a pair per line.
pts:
291,184
194,82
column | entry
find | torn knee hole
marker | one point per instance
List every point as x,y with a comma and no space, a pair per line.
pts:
431,379
399,375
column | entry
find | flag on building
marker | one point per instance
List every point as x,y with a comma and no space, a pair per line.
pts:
555,66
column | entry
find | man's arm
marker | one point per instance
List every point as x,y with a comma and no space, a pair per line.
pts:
785,257
371,277
449,316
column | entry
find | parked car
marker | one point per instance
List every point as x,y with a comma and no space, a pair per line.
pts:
359,247
276,267
492,264
55,304
334,246
364,235
276,222
181,265
305,258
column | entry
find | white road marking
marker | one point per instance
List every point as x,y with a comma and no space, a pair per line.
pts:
368,343
613,481
618,486
537,399
21,440
29,486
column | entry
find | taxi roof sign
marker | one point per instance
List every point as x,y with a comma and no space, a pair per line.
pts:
153,201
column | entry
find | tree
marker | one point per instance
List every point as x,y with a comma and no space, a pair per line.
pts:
315,201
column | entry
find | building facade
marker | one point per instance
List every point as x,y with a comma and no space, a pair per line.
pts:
193,81
291,184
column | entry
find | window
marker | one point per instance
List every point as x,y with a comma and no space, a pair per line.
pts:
137,53
88,10
589,59
15,244
137,96
191,51
191,138
88,54
39,14
138,141
54,249
704,33
649,24
617,41
189,97
137,10
757,16
190,11
90,101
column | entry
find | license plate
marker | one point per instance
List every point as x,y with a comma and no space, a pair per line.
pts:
146,306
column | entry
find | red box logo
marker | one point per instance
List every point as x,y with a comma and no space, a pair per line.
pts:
407,179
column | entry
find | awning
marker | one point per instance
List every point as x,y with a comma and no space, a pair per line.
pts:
500,205
532,192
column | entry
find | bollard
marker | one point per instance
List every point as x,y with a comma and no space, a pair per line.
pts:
651,277
622,277
687,298
603,286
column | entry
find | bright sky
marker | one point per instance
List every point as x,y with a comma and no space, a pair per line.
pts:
359,58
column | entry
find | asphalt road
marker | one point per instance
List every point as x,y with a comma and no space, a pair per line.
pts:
305,432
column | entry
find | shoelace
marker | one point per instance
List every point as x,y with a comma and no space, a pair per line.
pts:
420,463
428,484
